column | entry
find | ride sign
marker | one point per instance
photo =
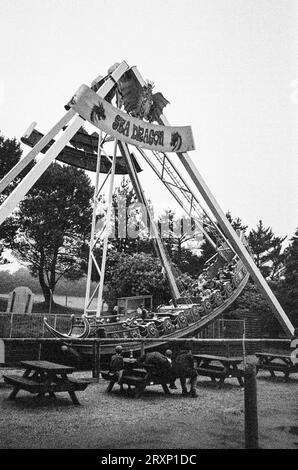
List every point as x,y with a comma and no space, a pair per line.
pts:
129,129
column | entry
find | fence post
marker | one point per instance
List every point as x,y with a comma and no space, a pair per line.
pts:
39,351
96,359
11,321
51,301
250,407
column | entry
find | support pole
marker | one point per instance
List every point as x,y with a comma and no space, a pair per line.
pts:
39,351
95,204
107,233
96,359
250,407
30,179
16,170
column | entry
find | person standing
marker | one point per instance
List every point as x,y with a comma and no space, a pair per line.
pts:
183,367
117,364
169,356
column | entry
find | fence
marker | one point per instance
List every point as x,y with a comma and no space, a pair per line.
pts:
223,329
15,325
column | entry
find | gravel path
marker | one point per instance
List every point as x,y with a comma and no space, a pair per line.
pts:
111,421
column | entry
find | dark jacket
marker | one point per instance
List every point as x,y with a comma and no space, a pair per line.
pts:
184,365
117,363
157,360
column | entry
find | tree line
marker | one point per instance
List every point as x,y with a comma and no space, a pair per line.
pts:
50,229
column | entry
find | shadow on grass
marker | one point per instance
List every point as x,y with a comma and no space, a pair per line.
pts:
278,379
33,402
226,386
147,394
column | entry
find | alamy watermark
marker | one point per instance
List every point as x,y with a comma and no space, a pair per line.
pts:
134,220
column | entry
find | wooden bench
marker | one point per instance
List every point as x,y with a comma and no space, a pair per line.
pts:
212,371
46,377
25,384
139,378
224,367
268,361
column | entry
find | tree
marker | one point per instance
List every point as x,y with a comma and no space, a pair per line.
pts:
52,226
135,274
288,288
129,222
207,249
10,154
267,249
123,197
173,231
177,233
236,223
252,300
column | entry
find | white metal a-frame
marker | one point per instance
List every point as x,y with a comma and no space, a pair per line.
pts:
178,187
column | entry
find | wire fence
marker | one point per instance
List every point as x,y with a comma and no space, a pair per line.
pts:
15,325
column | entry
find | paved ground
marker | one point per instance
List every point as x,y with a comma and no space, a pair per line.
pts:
110,421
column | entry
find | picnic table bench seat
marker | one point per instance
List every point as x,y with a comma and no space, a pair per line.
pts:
212,371
139,378
224,368
267,361
59,385
26,384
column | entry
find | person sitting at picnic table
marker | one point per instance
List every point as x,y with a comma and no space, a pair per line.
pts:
117,364
158,361
183,367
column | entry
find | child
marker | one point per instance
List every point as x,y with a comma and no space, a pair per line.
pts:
117,364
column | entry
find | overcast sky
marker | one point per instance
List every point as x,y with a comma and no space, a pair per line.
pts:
228,68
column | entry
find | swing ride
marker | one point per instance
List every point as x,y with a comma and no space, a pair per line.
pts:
129,119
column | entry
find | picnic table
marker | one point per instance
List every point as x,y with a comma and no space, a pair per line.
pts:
274,362
138,377
219,367
41,377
